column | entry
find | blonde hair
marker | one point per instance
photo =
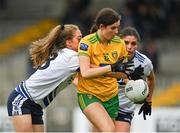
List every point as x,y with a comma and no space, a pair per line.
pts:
42,49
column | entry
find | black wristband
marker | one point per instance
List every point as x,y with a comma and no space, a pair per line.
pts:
149,103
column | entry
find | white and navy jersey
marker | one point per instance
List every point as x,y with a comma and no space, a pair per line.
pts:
53,76
139,59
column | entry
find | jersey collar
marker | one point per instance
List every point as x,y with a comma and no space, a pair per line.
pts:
99,39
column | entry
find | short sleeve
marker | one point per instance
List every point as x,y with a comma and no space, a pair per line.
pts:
148,67
124,53
73,63
84,48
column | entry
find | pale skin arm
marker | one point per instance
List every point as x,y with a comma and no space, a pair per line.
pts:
111,74
91,66
88,72
75,81
117,75
151,84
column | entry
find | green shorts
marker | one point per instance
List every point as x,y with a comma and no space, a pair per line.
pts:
111,106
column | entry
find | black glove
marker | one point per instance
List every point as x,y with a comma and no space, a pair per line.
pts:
137,73
119,66
146,109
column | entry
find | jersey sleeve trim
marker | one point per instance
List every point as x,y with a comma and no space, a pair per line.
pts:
82,53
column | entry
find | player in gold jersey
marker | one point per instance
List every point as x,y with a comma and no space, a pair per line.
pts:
97,93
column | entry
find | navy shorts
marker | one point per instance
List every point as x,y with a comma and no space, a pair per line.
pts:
20,105
125,116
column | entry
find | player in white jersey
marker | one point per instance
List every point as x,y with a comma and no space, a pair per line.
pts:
56,59
143,69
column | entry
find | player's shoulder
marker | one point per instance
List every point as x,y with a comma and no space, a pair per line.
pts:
67,54
141,57
90,39
67,51
116,39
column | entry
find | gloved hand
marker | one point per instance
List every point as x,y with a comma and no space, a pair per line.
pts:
119,66
137,73
145,109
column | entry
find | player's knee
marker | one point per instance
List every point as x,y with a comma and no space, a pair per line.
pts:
24,128
109,128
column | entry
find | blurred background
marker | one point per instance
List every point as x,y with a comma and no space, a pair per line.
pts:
158,22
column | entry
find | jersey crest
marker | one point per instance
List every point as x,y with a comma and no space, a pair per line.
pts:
106,56
83,46
115,54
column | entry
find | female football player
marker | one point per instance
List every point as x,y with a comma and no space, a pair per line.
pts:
56,59
97,93
143,69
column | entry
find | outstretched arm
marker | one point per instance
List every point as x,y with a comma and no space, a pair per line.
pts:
151,84
88,72
117,75
146,107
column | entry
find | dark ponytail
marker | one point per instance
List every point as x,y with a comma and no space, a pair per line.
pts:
105,16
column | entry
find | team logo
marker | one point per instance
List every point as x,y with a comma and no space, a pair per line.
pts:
83,47
106,56
115,54
89,96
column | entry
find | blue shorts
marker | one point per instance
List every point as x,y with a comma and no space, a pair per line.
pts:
20,105
125,116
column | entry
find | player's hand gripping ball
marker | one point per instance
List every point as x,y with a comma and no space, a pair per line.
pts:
137,90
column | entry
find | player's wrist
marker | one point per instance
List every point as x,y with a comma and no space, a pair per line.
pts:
149,102
125,80
111,69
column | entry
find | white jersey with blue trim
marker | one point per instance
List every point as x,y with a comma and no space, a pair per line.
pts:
139,59
51,77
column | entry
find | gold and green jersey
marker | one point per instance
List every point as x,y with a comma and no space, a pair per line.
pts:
102,87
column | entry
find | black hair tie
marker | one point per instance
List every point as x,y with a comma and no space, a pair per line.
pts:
62,27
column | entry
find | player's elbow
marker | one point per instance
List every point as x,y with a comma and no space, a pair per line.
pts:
85,75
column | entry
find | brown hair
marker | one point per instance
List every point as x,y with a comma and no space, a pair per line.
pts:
42,49
130,31
106,16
